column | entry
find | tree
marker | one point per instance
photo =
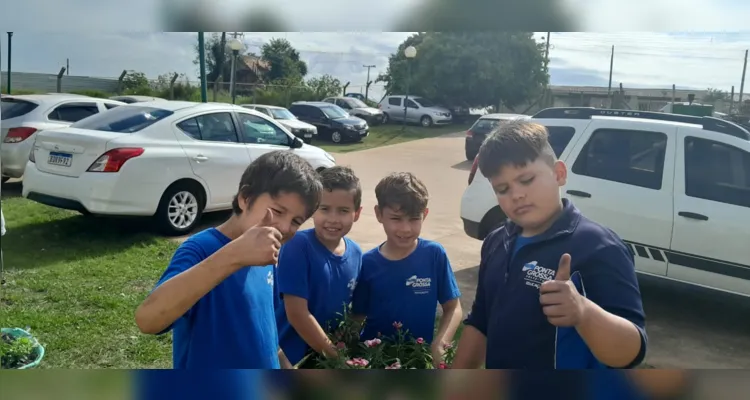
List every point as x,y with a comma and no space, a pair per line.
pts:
136,83
284,61
218,60
713,95
473,68
325,86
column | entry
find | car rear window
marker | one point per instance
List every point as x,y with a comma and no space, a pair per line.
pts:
123,119
12,108
485,125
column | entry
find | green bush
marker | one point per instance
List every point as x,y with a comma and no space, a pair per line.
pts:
93,93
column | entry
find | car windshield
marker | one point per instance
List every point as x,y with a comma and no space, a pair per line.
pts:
282,113
334,112
356,103
124,119
485,125
12,108
425,102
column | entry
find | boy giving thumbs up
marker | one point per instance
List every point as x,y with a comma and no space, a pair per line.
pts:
556,290
217,294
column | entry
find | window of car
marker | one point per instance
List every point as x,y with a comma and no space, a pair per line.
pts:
73,112
258,130
330,100
263,110
343,104
214,127
300,111
334,112
559,137
626,156
13,108
425,102
282,113
411,104
394,101
717,171
124,119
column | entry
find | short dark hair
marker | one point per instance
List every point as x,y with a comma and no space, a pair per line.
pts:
279,172
342,178
402,191
514,143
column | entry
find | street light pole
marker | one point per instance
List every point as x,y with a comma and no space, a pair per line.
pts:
10,52
235,45
202,60
410,52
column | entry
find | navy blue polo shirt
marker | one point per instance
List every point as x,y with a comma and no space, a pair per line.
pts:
507,309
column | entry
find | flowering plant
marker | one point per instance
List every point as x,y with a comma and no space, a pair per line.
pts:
401,351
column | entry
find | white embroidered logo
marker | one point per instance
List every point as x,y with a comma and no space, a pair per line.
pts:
352,285
536,274
269,278
420,285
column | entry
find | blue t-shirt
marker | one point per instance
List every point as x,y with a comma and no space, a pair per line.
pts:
506,308
233,325
307,269
225,384
405,291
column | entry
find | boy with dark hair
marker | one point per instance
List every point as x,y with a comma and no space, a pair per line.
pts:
318,269
556,290
404,278
217,293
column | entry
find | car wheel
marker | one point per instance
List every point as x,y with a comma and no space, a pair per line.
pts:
336,137
180,209
426,121
470,154
385,118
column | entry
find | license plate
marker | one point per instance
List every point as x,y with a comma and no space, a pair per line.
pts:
308,135
60,159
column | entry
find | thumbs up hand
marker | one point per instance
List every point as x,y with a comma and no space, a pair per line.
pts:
259,245
561,302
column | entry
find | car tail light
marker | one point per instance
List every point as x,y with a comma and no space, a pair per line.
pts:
32,158
18,135
114,159
473,171
469,133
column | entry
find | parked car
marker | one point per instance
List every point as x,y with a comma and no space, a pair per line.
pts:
418,110
302,130
479,131
169,160
359,96
136,99
333,122
357,108
25,116
675,188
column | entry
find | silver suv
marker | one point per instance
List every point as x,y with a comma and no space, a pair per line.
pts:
418,110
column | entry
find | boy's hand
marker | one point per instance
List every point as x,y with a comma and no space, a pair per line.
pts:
438,353
259,245
561,302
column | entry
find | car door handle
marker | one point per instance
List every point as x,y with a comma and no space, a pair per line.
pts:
200,158
579,193
692,215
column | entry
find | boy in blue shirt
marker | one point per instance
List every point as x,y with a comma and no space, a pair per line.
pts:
404,279
217,293
318,269
556,290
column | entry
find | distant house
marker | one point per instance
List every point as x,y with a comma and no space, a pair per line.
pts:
251,69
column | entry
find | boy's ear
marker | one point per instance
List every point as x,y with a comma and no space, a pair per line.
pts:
378,215
357,213
426,211
561,173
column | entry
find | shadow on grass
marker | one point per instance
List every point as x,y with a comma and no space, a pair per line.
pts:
12,189
42,243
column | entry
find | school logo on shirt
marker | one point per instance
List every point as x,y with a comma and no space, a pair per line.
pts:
535,274
352,285
269,278
420,285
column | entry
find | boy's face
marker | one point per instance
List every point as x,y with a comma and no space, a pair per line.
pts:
530,195
335,215
289,212
401,230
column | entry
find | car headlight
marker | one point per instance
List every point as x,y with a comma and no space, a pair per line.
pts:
350,127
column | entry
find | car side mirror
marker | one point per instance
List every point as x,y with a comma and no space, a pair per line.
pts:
296,143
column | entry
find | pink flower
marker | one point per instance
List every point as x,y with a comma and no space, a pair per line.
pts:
420,341
357,362
398,325
373,342
340,345
396,365
443,365
447,346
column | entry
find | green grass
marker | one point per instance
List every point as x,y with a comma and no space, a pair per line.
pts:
76,282
383,135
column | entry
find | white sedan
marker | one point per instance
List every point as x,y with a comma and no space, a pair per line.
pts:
170,160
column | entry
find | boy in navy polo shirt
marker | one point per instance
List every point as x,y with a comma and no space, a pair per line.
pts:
556,290
404,279
217,293
318,269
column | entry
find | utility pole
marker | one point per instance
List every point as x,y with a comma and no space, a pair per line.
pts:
611,64
67,66
202,61
742,82
546,51
367,88
10,52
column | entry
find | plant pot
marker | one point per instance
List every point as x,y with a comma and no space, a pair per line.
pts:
38,349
